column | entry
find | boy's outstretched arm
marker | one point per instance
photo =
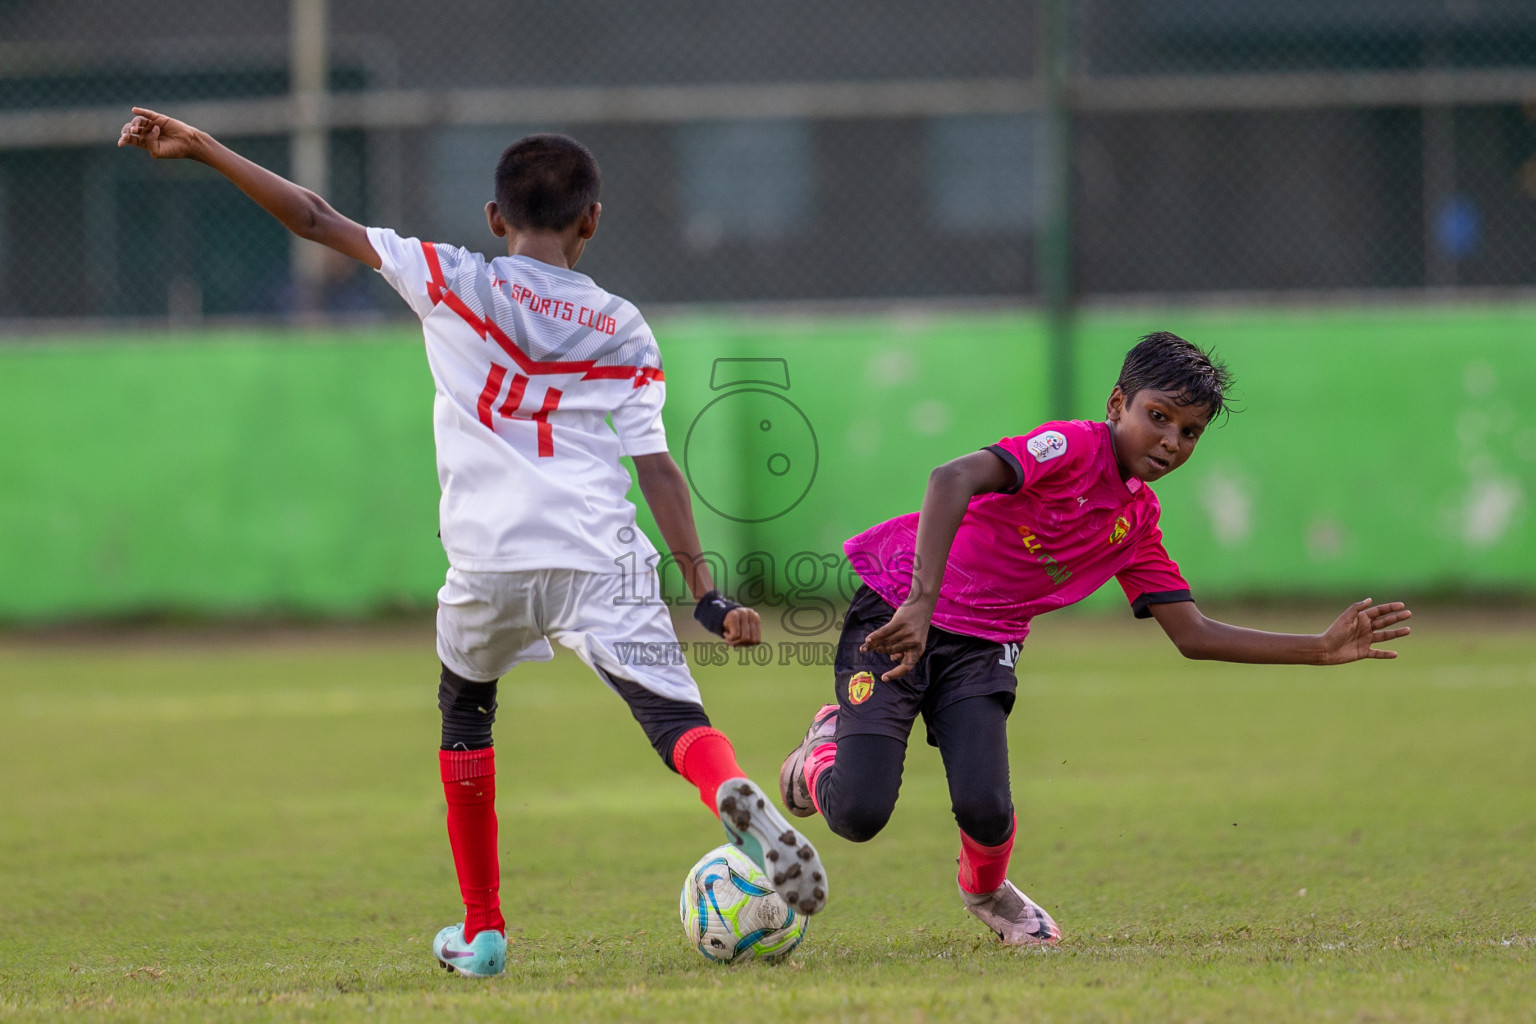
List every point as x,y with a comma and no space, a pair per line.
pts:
666,492
950,490
1350,638
299,209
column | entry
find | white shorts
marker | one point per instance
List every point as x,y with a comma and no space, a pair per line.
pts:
489,622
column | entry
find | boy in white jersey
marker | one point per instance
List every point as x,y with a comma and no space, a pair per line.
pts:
530,358
1020,528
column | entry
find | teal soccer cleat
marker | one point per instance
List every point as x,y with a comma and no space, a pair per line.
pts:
485,957
756,828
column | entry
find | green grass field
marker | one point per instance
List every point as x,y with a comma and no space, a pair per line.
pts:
199,827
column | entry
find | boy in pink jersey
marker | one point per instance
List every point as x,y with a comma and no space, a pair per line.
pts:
1020,528
531,360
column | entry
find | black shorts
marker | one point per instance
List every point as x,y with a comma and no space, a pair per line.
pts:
953,667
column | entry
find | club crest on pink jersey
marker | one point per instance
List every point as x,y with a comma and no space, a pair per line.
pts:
1047,446
1122,527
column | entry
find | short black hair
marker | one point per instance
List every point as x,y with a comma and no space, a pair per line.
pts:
546,182
1162,361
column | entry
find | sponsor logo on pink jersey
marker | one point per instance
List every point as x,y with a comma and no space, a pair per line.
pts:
1047,446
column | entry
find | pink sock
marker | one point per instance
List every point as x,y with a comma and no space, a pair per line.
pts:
469,785
706,758
984,868
818,761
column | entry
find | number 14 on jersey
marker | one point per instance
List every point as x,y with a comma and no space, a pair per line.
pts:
509,407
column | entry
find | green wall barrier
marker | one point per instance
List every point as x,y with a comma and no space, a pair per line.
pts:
1375,453
216,474
1383,451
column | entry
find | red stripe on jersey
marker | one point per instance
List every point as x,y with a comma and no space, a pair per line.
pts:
458,305
547,432
514,396
439,292
524,362
488,395
435,284
611,372
646,374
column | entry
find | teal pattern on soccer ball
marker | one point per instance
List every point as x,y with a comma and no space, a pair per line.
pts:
730,915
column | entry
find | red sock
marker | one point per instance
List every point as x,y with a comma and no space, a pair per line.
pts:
706,758
469,783
984,868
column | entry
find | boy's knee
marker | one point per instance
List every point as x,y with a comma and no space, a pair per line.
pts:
860,828
469,711
855,820
985,817
664,719
857,796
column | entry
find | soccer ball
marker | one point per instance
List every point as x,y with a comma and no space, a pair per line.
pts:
731,915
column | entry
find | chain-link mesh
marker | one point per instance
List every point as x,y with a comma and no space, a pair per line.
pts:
1314,144
786,150
1177,37
486,44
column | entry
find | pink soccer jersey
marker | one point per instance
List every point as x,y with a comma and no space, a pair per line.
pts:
1068,526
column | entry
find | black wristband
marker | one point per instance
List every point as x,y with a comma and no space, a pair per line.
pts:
712,610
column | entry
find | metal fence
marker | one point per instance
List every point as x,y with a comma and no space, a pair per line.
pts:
784,150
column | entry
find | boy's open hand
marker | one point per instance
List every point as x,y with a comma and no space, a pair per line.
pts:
904,638
1362,624
163,138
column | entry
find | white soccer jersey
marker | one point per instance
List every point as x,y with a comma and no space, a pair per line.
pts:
529,361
